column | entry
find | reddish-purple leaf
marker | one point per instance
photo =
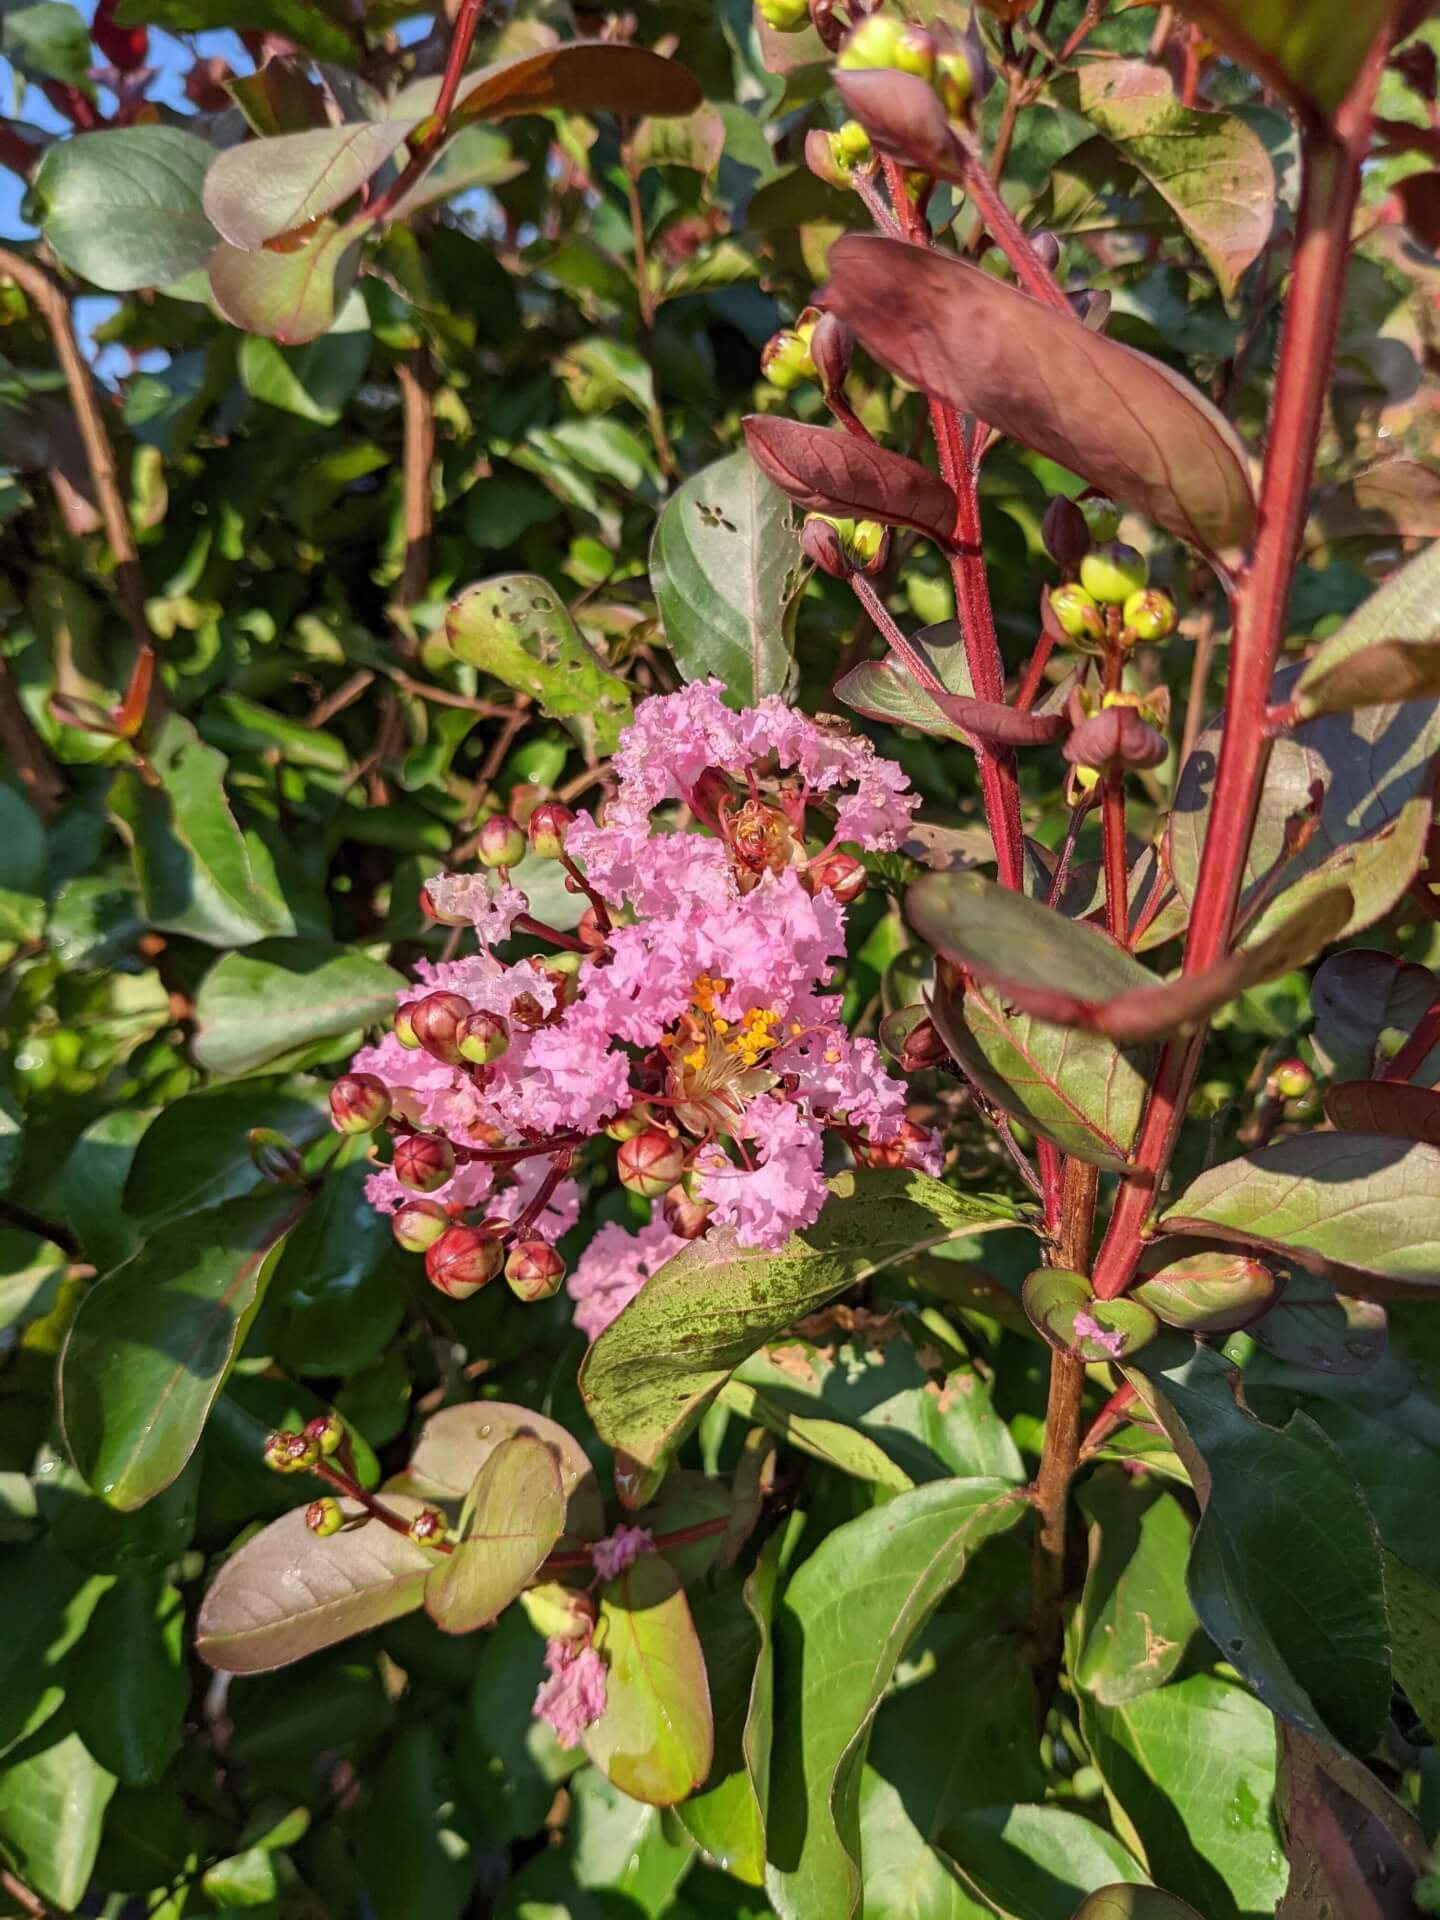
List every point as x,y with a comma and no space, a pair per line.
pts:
585,76
1128,424
1000,725
1419,196
904,118
1115,737
1397,497
1385,1106
837,473
1353,1849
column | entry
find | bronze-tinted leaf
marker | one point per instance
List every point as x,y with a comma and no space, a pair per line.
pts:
1385,1106
1353,1849
586,76
512,1519
837,473
265,188
1115,737
1128,424
1309,50
290,295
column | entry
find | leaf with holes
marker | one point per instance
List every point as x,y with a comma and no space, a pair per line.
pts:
726,566
1126,423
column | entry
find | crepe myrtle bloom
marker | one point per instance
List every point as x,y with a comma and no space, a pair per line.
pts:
688,1031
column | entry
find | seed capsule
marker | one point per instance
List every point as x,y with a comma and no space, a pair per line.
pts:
1111,573
327,1432
1150,614
1079,618
323,1517
427,1529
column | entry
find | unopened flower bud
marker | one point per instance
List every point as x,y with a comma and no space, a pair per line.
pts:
589,932
843,547
923,1048
403,1025
625,1126
1290,1080
1046,248
437,1020
323,1517
685,1215
1066,536
483,1038
562,970
423,1161
1077,615
850,146
359,1103
1112,572
276,1157
288,1452
831,345
534,1270
463,1260
418,1224
1150,614
840,875
500,842
549,824
651,1162
427,1529
1102,516
880,40
957,80
785,360
785,16
824,162
327,1430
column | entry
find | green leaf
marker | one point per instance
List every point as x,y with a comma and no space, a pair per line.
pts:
835,1442
264,188
313,382
287,1593
1209,167
417,1861
48,1602
979,925
474,157
517,629
1311,50
454,1445
282,995
623,1848
513,1516
47,41
726,566
727,1817
1414,1606
1282,1513
291,296
338,1295
198,873
1189,1769
128,1685
657,1366
1054,1300
656,1738
1134,1903
194,1154
1356,1207
882,690
153,1341
1353,1849
1135,1619
844,1621
53,1797
1035,1861
122,209
1386,653
312,27
905,1877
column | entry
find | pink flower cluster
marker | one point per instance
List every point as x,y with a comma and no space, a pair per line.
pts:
694,1024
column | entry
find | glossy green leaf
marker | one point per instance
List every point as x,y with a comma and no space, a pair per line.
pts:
429,1874
53,1797
265,188
1282,1512
93,1185
290,295
905,1877
194,1153
517,629
1353,1849
835,1442
282,995
1036,1862
48,1601
882,690
844,1621
454,1445
653,1371
1386,653
726,567
1356,1207
1189,1769
1135,1619
128,1684
623,1850
47,41
153,1341
727,1817
122,209
1134,1903
1211,168
1311,50
315,381
1414,1606
514,1514
338,1295
287,1593
655,1740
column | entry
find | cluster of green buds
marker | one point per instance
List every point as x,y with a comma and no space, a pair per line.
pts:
837,157
785,16
955,68
1113,731
290,1452
843,547
786,359
1109,602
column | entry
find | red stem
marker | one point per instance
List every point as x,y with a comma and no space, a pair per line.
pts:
682,1537
1007,233
1330,188
430,134
1114,1414
1117,870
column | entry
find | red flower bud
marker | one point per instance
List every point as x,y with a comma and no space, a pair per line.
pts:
324,1517
403,1025
423,1161
427,1529
124,47
359,1103
275,1157
327,1431
463,1260
534,1270
840,875
686,1216
1066,536
651,1162
418,1224
1290,1080
831,345
501,842
483,1038
923,1048
437,1020
549,824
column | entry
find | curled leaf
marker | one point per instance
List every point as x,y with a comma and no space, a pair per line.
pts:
832,472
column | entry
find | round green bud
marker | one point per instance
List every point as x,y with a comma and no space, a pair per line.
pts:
955,83
866,542
786,361
323,1517
785,16
483,1038
884,42
1111,573
1101,516
327,1431
1150,614
427,1529
850,146
1077,615
1290,1080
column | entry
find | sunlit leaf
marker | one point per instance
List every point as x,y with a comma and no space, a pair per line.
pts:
828,471
513,1516
656,1737
122,209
